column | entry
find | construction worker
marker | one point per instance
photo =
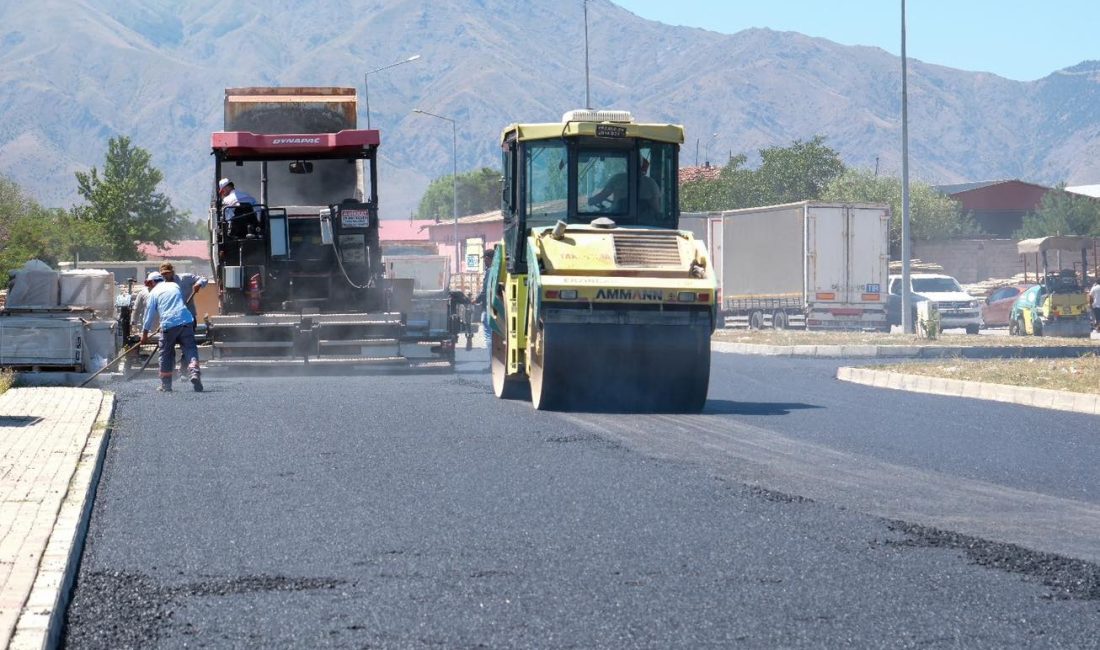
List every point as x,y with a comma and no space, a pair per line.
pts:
238,208
189,284
177,324
1094,302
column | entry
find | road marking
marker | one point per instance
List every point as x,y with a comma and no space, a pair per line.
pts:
766,459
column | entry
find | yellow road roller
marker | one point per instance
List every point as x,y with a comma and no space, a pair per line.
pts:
597,301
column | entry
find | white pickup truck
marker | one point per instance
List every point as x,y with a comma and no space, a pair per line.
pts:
957,308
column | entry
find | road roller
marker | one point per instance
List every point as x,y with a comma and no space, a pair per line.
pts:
596,299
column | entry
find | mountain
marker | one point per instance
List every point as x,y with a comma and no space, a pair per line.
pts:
77,72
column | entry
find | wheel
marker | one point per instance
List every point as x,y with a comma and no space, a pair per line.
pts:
756,320
779,320
1038,327
1015,327
971,329
504,386
547,387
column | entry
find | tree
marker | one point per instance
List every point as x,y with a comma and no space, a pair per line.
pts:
29,231
798,172
124,200
478,191
735,187
1063,213
932,215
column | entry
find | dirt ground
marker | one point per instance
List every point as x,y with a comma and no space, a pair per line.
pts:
1081,374
796,337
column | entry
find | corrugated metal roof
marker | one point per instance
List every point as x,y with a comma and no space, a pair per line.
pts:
959,188
1086,190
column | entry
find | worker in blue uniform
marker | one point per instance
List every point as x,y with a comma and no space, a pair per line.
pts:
176,325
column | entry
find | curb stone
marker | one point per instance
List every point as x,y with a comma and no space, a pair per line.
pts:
43,617
1026,396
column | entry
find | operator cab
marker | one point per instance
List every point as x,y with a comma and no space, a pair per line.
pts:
594,165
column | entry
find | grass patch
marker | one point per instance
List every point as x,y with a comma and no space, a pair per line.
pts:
797,337
1079,375
7,378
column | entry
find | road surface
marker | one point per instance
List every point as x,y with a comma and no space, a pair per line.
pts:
420,511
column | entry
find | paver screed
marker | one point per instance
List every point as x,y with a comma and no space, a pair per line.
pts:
47,462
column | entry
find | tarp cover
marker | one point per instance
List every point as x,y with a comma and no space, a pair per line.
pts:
34,285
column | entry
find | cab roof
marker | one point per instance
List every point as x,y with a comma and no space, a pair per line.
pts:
673,133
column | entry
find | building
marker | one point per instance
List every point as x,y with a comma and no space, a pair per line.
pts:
997,206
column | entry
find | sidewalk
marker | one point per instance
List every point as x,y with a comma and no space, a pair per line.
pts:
52,442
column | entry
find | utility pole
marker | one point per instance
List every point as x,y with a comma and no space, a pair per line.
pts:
587,93
906,295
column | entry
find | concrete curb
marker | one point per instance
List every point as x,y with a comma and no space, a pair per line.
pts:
905,351
1023,395
43,618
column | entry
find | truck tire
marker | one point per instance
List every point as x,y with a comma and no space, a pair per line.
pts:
971,329
779,320
756,320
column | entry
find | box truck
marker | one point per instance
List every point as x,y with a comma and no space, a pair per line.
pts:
813,264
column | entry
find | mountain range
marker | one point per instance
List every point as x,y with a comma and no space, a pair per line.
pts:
78,72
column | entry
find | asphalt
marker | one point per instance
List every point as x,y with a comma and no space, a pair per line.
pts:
420,511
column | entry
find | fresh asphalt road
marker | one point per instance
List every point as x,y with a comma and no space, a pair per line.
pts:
420,511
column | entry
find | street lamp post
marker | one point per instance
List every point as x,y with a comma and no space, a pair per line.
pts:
454,178
706,152
366,87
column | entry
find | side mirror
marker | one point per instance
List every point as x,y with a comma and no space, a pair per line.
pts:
301,167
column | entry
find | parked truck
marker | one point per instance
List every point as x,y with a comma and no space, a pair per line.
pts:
811,264
299,273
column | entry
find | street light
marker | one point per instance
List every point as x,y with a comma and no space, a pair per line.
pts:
454,178
706,152
366,88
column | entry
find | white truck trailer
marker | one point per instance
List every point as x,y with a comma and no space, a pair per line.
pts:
812,264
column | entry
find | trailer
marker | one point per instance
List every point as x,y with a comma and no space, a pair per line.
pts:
812,264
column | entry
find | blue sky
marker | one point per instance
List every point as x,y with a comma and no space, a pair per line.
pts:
1018,39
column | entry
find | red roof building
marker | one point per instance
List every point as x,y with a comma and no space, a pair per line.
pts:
998,206
189,249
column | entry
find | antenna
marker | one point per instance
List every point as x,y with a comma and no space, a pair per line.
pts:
587,95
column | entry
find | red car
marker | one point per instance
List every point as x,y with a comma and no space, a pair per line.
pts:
998,304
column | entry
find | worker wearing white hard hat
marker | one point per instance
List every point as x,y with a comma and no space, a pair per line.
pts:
231,199
177,324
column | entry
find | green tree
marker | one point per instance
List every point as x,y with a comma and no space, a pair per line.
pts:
478,191
30,231
735,187
1063,213
799,172
932,215
124,200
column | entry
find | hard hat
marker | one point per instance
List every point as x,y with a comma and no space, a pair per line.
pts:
154,277
222,183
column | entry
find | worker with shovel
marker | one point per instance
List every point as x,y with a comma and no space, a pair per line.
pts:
177,324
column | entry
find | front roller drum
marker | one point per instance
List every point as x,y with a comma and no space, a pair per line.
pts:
637,368
505,386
